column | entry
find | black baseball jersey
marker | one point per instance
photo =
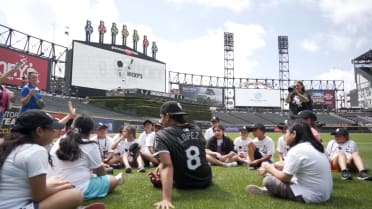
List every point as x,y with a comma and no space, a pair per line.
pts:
186,146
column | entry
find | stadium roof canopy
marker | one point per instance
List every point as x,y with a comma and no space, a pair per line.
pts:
365,58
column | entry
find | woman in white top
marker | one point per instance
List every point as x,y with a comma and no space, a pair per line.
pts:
75,157
24,164
305,161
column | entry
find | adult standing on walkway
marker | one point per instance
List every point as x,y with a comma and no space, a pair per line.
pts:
298,99
31,98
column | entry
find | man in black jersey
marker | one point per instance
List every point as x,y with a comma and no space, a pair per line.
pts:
181,149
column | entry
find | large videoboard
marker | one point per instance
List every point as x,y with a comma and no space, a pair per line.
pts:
257,98
9,57
112,67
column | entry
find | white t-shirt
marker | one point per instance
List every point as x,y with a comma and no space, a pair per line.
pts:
150,141
240,145
333,148
24,162
124,145
77,172
265,146
312,171
105,145
282,146
208,133
142,141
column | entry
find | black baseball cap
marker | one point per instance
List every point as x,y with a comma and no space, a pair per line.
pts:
305,114
215,119
246,128
101,125
340,131
172,108
258,126
31,119
282,126
148,121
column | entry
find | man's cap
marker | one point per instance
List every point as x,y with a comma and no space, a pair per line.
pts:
340,131
148,121
215,119
101,125
172,108
246,128
31,119
282,126
305,114
258,126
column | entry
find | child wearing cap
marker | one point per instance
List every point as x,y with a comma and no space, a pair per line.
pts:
24,164
261,148
240,145
209,133
344,156
104,143
146,140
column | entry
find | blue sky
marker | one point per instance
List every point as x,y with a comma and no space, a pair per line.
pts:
324,36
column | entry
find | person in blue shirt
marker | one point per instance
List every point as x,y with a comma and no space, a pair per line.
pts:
31,97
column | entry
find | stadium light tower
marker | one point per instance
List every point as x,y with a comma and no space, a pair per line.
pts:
229,93
284,80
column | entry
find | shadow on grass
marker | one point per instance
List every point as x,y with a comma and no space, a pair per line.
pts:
213,192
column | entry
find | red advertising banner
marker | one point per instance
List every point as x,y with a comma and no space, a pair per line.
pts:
9,57
329,98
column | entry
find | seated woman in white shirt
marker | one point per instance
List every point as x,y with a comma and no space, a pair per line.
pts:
24,165
75,157
305,161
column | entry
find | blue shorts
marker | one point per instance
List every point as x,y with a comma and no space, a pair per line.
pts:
98,187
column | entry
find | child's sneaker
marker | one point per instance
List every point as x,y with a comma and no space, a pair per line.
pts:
346,175
128,170
141,169
363,175
256,190
120,178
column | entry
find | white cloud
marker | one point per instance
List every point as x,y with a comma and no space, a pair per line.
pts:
339,74
235,5
334,40
47,19
205,55
310,45
353,13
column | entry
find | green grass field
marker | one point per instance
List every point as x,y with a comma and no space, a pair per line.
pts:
227,191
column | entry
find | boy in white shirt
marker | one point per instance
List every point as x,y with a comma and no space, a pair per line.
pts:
240,145
261,148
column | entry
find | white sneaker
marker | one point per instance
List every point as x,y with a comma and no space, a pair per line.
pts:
256,190
232,164
120,178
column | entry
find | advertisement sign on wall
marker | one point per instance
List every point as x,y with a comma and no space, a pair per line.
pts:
204,95
257,98
9,57
323,98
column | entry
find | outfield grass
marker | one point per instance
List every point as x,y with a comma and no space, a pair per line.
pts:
227,191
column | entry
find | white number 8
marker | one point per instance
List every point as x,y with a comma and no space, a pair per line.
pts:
193,157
